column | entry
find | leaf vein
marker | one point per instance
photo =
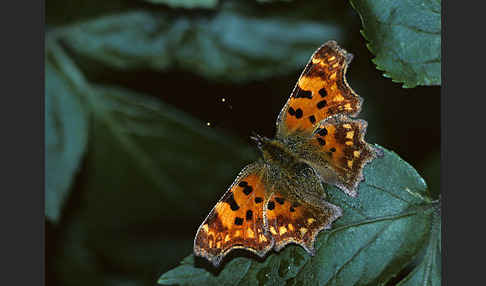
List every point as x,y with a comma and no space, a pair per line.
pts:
390,193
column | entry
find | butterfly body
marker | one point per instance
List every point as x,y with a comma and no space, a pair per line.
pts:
280,198
284,170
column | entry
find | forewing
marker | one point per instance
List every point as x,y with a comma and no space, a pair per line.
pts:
237,219
320,92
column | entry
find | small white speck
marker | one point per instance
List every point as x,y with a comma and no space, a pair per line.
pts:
223,99
208,124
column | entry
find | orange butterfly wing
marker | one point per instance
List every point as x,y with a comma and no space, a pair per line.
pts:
237,220
320,92
298,222
323,101
341,151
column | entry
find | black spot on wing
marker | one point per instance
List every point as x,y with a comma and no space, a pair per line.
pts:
280,200
238,221
291,111
243,184
321,104
249,215
299,113
231,201
322,131
300,93
312,119
258,200
271,205
247,190
323,92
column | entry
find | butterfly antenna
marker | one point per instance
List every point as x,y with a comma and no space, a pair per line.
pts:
257,138
254,135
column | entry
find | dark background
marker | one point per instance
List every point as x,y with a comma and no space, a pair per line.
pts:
106,238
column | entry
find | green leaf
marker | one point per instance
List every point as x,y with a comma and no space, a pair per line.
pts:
271,1
66,136
405,38
134,202
191,4
379,233
144,144
428,272
234,44
199,276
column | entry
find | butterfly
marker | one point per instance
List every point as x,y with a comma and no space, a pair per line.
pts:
280,198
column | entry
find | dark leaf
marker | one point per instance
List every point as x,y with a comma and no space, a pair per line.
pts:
190,4
149,170
66,136
428,272
233,44
405,38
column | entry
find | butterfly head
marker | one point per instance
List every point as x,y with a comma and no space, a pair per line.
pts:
272,150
